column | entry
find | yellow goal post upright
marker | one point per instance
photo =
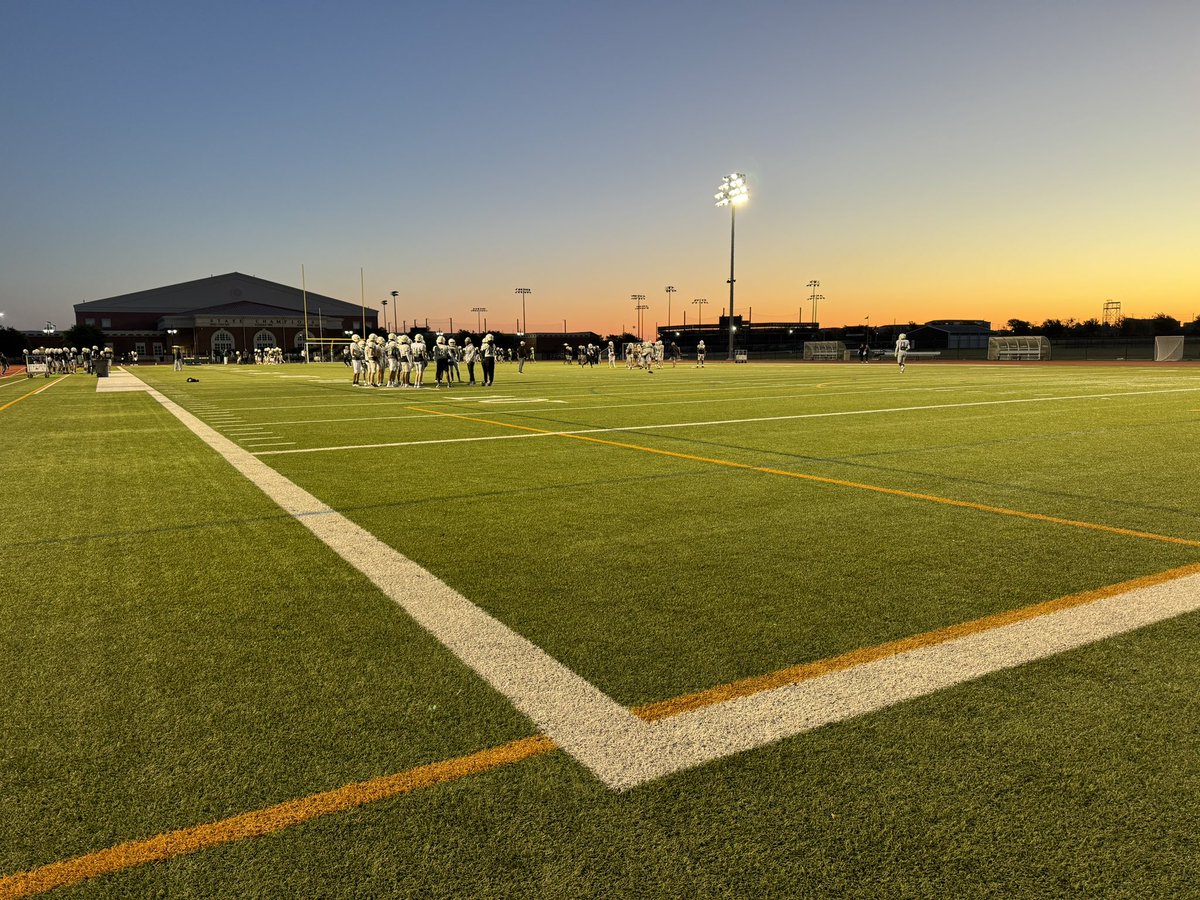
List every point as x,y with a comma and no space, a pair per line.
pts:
1019,347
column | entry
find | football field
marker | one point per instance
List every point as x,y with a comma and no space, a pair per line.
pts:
760,630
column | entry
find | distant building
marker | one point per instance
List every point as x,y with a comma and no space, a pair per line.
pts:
951,334
753,337
220,314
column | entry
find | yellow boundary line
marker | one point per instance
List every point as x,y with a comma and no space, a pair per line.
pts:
894,492
31,393
261,822
264,821
807,671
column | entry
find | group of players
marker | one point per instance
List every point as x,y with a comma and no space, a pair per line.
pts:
400,360
66,360
646,355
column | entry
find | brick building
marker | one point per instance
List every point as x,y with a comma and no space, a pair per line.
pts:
223,313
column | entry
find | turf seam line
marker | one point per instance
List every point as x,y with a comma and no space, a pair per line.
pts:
838,482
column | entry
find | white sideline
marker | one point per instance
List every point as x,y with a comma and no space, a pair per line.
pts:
624,751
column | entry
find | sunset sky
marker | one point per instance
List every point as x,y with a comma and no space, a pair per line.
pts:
921,159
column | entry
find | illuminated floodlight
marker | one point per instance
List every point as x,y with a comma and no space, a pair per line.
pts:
733,190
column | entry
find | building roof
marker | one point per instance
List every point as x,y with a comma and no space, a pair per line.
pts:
219,292
960,326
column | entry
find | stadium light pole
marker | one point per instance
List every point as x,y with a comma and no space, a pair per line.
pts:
640,301
813,285
732,193
396,309
670,289
479,311
524,292
699,304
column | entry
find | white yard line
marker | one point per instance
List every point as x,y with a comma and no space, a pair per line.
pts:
624,751
712,422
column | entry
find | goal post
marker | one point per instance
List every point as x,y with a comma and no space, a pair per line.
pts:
1018,347
322,349
1168,349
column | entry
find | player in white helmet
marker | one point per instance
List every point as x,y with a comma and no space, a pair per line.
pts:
488,352
357,358
420,359
700,354
406,360
902,348
391,353
441,360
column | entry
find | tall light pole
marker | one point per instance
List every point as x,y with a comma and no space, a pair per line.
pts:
524,292
699,304
813,285
670,290
396,309
479,311
732,193
640,301
385,318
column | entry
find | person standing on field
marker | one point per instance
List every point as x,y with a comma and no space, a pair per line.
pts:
470,356
902,347
488,351
700,352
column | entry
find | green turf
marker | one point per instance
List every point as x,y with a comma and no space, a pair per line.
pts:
177,650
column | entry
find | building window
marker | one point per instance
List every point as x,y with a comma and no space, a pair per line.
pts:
140,348
90,320
222,342
106,323
264,339
158,350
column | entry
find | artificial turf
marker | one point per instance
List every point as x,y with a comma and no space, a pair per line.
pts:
178,650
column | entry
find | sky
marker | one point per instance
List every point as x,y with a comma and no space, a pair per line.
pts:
921,160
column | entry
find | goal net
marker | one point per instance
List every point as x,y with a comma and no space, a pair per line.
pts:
323,349
1010,347
824,349
1168,349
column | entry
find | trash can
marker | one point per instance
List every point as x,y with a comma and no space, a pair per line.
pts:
102,367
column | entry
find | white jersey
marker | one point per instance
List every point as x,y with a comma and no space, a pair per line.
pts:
902,346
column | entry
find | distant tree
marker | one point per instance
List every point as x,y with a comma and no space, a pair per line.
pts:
1090,328
1194,326
84,336
1164,324
1053,328
1131,327
1020,326
12,343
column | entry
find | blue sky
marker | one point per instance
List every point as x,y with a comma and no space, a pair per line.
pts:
922,159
